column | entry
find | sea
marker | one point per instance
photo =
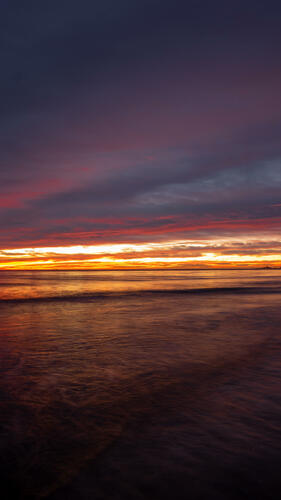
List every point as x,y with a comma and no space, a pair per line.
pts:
140,385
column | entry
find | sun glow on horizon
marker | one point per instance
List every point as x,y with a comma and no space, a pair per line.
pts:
179,253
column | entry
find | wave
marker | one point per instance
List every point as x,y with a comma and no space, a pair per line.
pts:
89,297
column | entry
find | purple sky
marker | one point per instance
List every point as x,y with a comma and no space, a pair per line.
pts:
136,121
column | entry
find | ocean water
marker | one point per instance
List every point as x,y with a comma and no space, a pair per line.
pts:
140,384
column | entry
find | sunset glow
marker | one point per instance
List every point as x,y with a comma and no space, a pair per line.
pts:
178,253
128,145
140,249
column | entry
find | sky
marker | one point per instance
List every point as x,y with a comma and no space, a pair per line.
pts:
140,133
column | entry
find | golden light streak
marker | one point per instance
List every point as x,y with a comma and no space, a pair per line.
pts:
114,248
102,262
178,253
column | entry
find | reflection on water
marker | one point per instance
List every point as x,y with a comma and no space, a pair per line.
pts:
111,391
35,284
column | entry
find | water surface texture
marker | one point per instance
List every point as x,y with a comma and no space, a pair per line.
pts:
141,384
